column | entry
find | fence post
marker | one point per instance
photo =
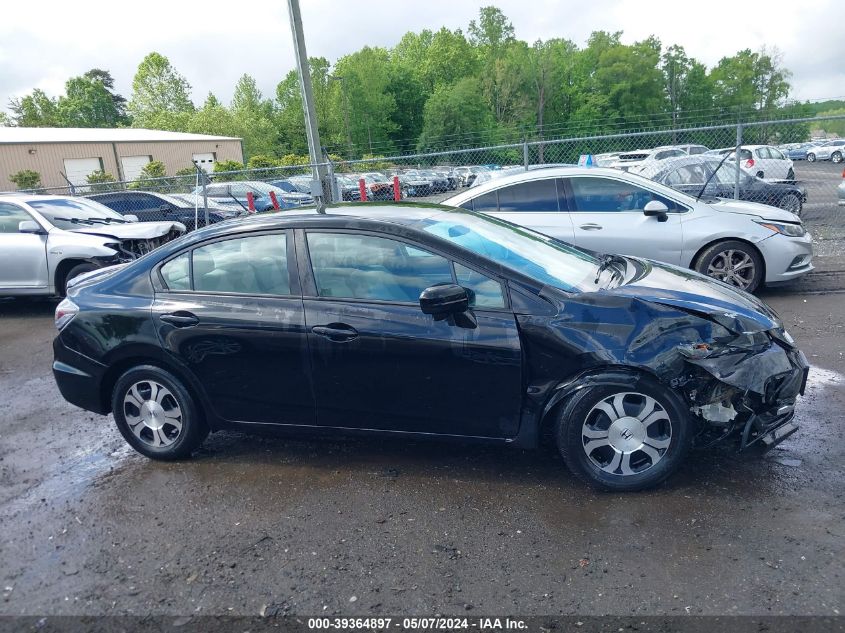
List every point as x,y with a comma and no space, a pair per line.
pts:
525,158
736,159
201,177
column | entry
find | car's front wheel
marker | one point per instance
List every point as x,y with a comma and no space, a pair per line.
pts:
76,271
736,263
624,439
156,414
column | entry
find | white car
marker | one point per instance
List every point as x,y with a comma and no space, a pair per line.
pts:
741,243
45,241
764,161
641,161
830,150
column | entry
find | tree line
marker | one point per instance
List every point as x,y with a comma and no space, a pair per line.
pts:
440,90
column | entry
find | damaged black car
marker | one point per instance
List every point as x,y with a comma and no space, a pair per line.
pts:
426,321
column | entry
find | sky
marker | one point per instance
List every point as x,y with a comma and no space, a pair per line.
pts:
212,43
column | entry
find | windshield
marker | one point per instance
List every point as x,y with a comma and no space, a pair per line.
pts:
75,213
543,258
285,186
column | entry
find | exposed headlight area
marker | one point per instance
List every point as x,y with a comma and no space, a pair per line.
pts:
784,228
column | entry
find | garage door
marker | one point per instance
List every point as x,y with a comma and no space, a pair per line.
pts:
133,165
205,161
78,169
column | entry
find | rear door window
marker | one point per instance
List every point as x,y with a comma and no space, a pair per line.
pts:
537,195
487,202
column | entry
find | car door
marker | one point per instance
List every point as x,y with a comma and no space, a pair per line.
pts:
537,204
23,256
607,217
230,312
379,363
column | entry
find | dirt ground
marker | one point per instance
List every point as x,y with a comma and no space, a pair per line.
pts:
367,527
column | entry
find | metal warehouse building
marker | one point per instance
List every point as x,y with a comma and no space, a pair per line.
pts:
56,153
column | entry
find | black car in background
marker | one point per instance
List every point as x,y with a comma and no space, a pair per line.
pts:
149,206
690,173
426,321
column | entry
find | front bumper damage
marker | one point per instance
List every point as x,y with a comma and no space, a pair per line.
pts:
748,386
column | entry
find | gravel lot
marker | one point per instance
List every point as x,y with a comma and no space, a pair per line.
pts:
372,527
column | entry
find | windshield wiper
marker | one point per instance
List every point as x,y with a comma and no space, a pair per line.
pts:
607,262
72,220
710,177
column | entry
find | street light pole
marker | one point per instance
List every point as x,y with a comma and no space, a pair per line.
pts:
319,187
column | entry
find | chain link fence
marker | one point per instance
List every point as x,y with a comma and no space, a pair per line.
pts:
795,164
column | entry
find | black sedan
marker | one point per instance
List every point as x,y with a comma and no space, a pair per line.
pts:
426,321
690,174
150,206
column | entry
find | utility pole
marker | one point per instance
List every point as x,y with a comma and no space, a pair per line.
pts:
319,188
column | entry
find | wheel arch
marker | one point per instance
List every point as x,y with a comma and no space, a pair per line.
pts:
121,366
63,268
619,375
700,252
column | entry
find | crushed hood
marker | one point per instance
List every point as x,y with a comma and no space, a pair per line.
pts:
763,211
133,230
680,288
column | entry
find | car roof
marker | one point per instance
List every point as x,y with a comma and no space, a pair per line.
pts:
30,197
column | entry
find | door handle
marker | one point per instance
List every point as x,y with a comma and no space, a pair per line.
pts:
591,227
337,332
180,319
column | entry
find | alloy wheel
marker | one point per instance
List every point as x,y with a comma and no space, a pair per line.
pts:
836,157
152,413
791,203
626,433
734,267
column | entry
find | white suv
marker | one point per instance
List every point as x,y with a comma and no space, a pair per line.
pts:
742,243
45,241
829,150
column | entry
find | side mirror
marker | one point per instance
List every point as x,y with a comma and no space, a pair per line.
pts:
657,209
30,226
448,301
131,218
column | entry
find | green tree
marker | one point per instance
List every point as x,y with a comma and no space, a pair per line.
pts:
750,81
89,103
253,118
454,112
26,179
366,77
160,95
35,110
101,181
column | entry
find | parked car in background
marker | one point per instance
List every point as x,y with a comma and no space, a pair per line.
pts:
47,241
379,186
641,161
349,188
693,149
415,184
439,181
605,159
150,206
744,244
506,336
468,173
292,192
832,150
235,195
690,174
798,151
764,161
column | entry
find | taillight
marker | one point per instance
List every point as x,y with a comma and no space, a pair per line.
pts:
65,312
749,163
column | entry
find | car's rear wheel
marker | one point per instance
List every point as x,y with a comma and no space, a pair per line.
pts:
811,158
836,157
791,202
621,438
156,414
736,263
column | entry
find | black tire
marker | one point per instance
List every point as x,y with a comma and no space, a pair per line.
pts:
710,256
811,158
836,157
760,175
77,270
167,442
791,202
672,432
